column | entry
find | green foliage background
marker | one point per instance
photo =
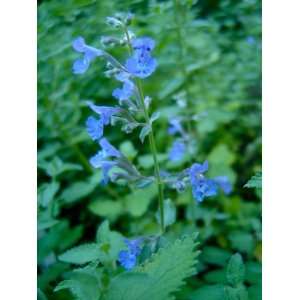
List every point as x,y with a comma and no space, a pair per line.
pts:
209,49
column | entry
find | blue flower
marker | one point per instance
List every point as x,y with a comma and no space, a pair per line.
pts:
141,64
141,67
89,54
94,128
224,184
128,258
143,44
177,151
105,112
201,186
125,92
179,185
250,40
100,159
175,126
108,150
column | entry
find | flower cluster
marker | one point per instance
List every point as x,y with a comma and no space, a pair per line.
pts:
128,258
131,104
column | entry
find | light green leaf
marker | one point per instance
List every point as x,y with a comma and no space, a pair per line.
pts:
235,272
127,148
138,201
112,242
237,293
255,181
80,189
57,167
144,132
46,193
82,254
209,292
215,256
169,213
106,208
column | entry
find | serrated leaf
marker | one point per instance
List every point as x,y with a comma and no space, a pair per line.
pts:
235,271
255,181
160,276
144,132
82,254
84,288
237,293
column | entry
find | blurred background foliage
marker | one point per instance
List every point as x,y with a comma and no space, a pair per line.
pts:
210,52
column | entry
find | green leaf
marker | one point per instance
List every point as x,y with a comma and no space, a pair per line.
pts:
169,213
106,208
80,189
83,287
57,167
237,293
209,292
46,193
146,161
235,272
144,132
215,256
160,276
255,181
242,241
82,254
255,292
138,201
128,149
111,242
41,295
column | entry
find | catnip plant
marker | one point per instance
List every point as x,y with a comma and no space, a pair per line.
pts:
133,111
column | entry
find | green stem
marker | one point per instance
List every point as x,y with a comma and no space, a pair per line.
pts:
151,142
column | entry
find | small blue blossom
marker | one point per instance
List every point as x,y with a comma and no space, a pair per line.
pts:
201,186
94,128
108,150
125,92
81,65
175,126
250,40
177,151
122,76
142,64
100,159
105,112
143,44
224,184
128,258
180,186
